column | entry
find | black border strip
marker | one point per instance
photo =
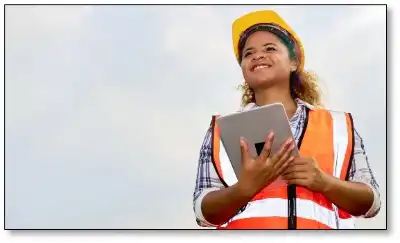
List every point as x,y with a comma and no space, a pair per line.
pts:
291,190
352,147
213,121
304,128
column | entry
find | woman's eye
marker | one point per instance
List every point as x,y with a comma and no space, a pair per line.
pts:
247,54
270,48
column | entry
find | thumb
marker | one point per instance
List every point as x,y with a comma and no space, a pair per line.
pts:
244,150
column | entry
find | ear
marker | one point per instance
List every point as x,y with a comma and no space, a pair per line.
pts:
293,65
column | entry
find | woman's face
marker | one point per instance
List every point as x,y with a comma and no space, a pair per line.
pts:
265,60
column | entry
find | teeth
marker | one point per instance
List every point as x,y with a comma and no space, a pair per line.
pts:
262,66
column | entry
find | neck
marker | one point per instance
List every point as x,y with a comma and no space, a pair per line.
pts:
273,95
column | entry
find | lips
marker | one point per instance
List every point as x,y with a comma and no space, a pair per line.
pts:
260,66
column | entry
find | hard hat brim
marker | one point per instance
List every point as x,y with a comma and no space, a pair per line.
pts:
244,22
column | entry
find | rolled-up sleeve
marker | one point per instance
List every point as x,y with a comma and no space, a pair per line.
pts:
360,171
207,180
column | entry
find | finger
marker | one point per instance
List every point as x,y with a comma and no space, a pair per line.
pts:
284,157
244,148
301,161
267,147
295,176
285,165
288,145
296,168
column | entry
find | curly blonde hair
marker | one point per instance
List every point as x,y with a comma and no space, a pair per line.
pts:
303,85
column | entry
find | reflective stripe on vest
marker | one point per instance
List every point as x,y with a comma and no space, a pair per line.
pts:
328,137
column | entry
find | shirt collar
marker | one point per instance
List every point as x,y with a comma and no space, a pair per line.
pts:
299,102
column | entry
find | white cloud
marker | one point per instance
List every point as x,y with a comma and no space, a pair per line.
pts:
23,20
100,98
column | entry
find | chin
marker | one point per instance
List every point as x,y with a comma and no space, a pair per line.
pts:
260,82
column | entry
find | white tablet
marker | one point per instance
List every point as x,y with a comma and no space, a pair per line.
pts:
254,125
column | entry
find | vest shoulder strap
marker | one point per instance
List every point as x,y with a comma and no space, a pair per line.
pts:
343,136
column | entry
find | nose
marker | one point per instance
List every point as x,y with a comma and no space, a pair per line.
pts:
258,56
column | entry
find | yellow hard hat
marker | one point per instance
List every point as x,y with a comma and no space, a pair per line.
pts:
244,22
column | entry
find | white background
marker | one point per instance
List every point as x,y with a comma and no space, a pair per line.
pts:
370,98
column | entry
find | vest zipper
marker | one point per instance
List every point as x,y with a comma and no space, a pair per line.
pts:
292,216
291,190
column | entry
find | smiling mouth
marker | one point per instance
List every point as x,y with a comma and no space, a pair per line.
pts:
262,66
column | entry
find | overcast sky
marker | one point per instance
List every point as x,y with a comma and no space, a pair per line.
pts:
107,106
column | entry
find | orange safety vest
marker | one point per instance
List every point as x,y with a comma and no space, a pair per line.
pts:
328,137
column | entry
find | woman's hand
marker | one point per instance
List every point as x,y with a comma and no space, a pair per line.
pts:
305,172
262,170
353,197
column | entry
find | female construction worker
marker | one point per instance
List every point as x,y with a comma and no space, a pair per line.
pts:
326,187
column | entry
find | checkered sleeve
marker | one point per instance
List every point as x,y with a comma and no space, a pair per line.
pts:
207,179
360,171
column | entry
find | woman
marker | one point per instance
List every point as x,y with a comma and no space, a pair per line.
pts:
328,185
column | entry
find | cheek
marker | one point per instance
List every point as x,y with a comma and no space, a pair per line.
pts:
244,68
284,63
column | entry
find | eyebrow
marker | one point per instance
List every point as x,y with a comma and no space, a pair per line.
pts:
251,48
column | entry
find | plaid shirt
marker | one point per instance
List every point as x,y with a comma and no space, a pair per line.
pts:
207,179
